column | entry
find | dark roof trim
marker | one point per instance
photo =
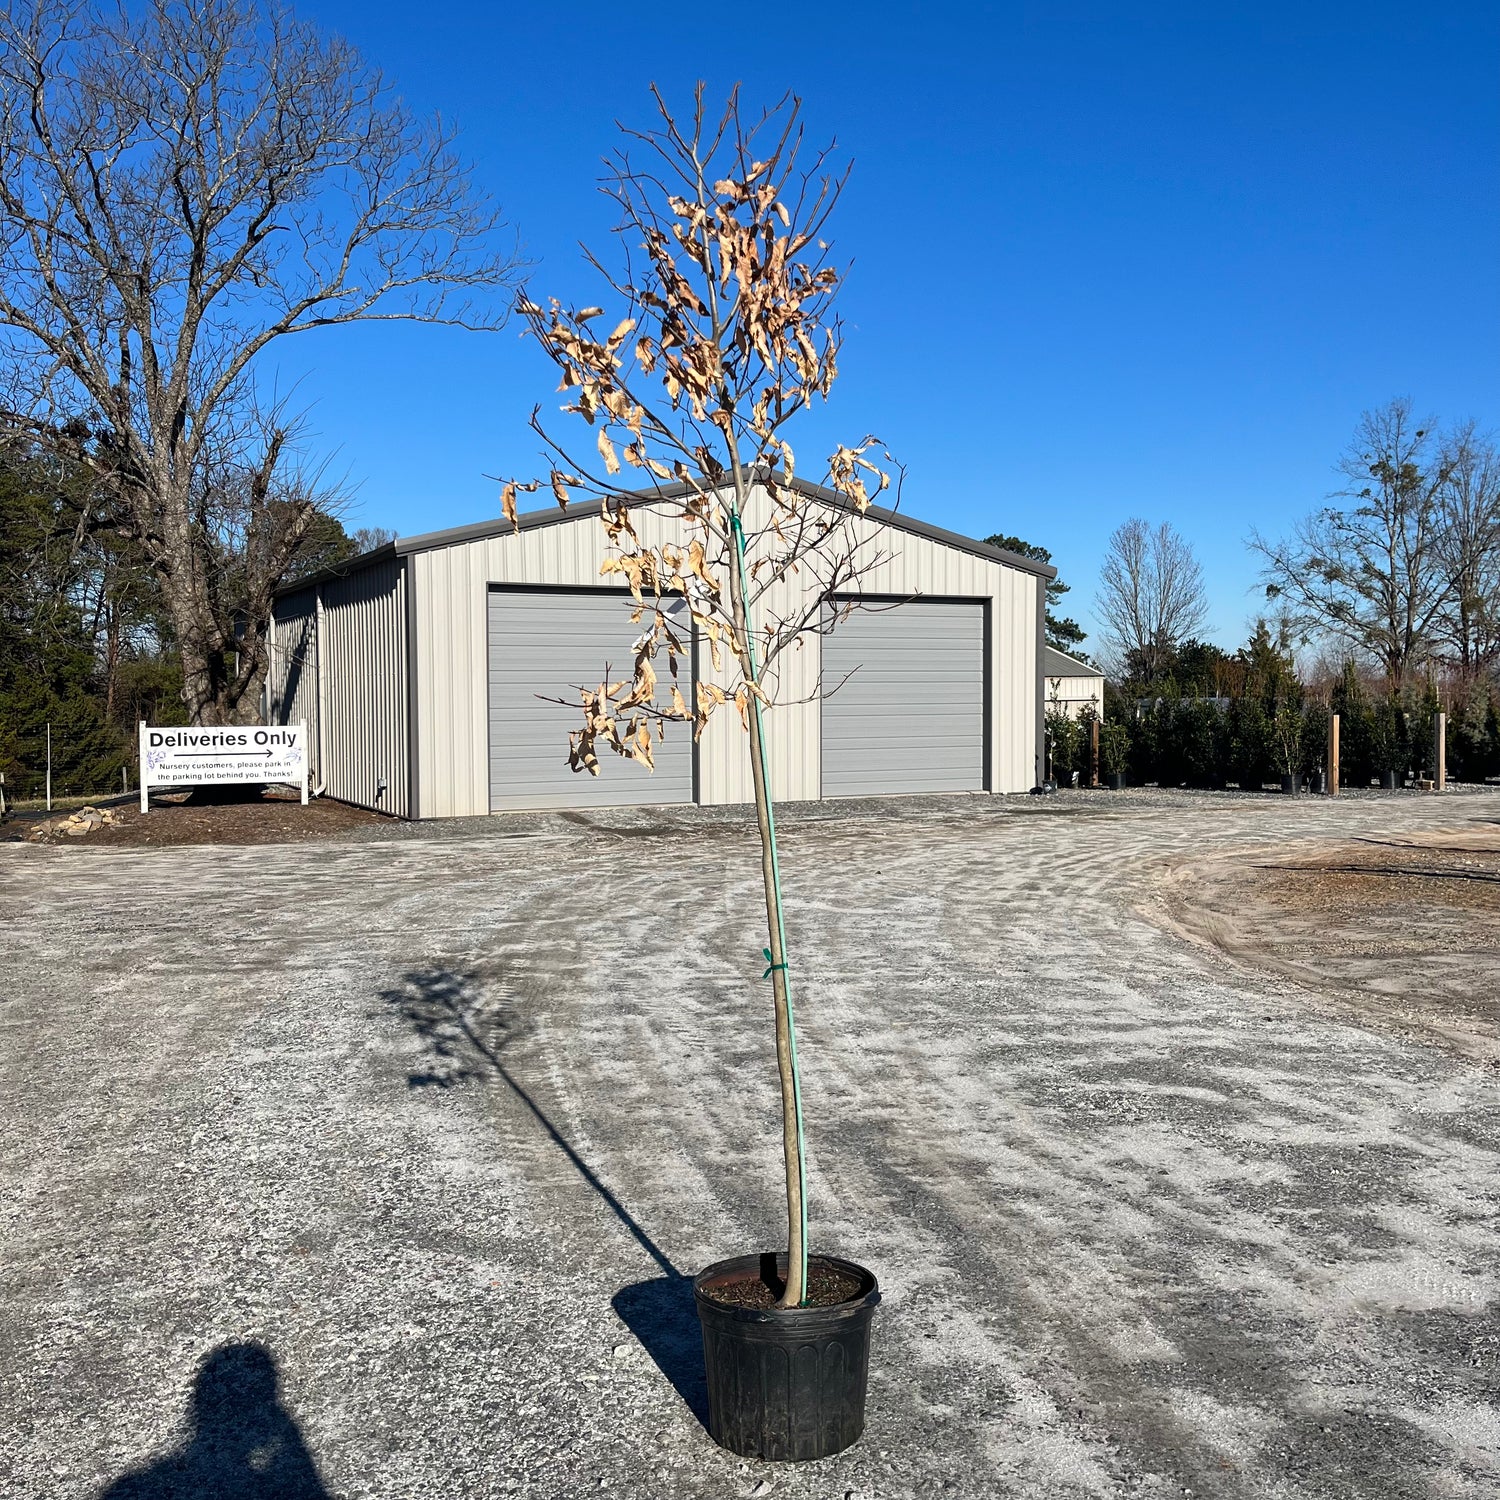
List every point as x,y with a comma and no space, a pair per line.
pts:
383,553
556,516
1053,657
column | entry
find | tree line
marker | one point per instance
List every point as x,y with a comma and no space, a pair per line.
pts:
87,646
1390,592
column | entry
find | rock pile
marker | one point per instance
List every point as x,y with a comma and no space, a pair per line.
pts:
76,824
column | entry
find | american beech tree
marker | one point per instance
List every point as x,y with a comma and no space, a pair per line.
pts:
721,333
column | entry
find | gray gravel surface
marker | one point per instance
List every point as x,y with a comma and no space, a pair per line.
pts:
431,1127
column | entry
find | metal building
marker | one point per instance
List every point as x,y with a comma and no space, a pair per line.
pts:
425,671
1071,685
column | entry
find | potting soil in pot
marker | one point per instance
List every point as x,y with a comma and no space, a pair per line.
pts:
827,1286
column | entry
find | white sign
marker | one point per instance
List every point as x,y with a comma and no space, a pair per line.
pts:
217,756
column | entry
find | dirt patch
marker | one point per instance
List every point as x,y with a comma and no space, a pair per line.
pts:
176,818
1404,932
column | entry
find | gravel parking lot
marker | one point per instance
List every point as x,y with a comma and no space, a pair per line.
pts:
431,1125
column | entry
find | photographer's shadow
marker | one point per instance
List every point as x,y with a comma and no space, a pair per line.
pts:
244,1446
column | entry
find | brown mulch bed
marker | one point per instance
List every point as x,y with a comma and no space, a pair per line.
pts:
180,818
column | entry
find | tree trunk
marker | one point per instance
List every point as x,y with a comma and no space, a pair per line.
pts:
212,692
786,1044
198,650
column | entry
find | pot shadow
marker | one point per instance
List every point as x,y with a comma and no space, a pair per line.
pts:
465,1036
244,1445
661,1314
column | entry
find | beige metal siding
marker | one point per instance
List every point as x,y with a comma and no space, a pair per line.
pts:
292,672
450,586
339,663
364,688
1071,694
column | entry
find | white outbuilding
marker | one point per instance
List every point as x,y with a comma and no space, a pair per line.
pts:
426,672
1071,685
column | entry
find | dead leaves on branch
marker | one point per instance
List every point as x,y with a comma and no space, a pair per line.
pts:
847,468
626,716
726,333
734,286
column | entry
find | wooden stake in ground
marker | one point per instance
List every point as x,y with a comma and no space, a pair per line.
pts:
1093,752
1439,751
1333,755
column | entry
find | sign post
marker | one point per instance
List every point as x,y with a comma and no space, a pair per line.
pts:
223,756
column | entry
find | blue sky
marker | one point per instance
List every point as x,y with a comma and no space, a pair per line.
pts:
1108,260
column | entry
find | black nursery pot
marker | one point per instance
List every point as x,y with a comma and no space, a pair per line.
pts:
786,1383
1116,781
1315,783
1288,786
1388,781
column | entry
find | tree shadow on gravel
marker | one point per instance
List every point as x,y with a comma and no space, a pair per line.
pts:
464,1036
244,1446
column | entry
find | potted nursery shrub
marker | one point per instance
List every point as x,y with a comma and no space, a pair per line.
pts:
1388,743
1064,745
1250,734
1314,739
1286,740
1114,748
724,332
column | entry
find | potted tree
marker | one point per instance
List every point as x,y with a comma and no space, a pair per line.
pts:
1114,750
1064,741
1387,742
1286,739
1314,737
723,333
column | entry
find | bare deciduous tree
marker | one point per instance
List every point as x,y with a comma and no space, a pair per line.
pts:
179,188
1371,570
1468,546
723,334
1150,597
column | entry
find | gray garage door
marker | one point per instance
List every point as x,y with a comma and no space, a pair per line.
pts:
544,645
910,716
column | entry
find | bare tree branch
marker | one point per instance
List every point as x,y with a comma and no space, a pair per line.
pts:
180,186
1370,568
1151,596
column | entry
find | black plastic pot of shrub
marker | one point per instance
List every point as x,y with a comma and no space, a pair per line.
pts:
1114,753
1316,783
1388,781
785,1383
1288,786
